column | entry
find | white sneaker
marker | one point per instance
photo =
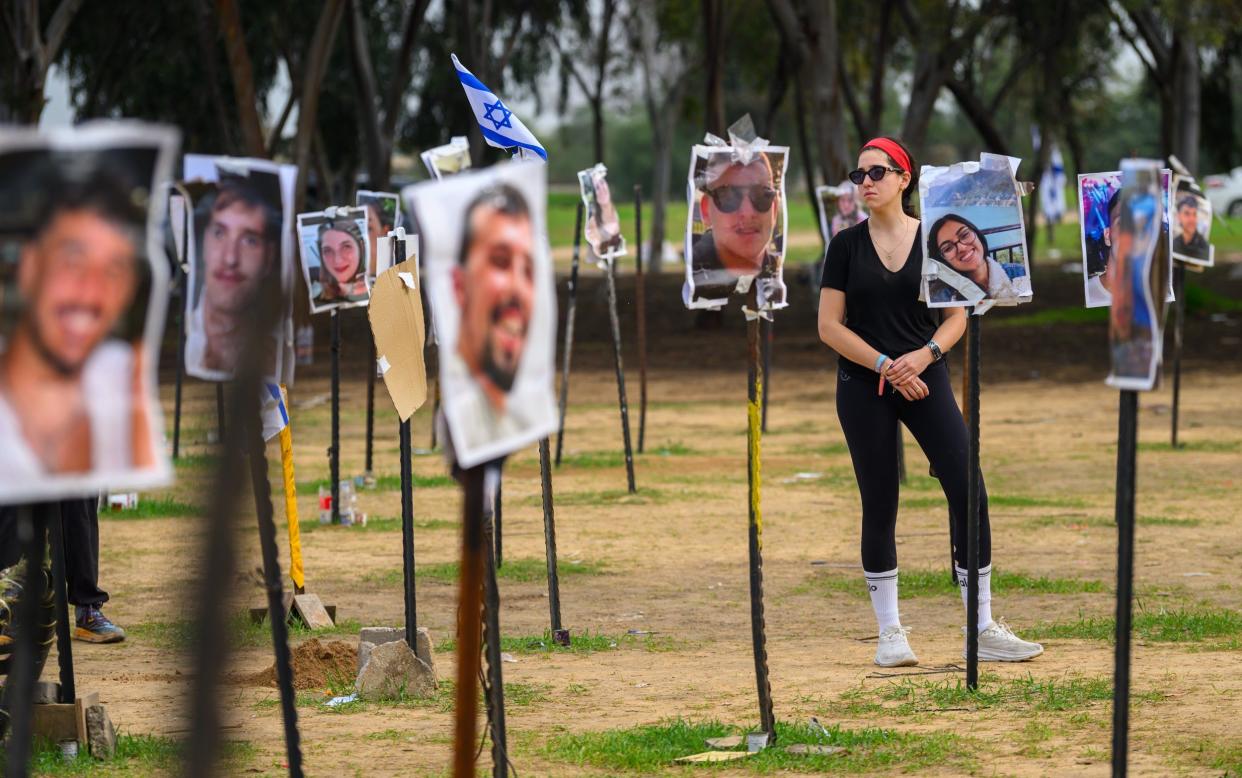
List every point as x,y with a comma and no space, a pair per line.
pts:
997,643
894,649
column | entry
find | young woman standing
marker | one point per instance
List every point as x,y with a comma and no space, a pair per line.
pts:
892,370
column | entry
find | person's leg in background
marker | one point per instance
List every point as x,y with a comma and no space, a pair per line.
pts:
80,519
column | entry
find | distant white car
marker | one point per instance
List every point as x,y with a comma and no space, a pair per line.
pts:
1225,193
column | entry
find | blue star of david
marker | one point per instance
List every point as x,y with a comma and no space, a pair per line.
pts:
499,108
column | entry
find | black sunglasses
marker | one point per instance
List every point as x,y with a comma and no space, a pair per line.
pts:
875,171
729,198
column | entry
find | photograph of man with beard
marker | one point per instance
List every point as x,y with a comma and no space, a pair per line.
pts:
490,285
739,206
1192,218
77,410
334,257
239,251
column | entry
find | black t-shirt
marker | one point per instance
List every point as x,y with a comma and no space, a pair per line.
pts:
881,307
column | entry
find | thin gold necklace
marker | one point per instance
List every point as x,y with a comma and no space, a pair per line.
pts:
888,253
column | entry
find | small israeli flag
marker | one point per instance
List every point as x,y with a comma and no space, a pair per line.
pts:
500,127
273,410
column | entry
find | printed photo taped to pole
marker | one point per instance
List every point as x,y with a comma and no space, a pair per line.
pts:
1192,223
839,207
383,216
83,292
243,227
736,224
974,234
336,253
1098,201
490,285
602,225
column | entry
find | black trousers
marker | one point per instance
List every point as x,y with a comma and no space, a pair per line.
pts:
80,520
869,422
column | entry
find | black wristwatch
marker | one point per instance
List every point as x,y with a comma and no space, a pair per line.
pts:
937,354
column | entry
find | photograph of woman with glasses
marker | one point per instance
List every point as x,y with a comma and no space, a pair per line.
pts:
975,234
735,230
891,370
954,241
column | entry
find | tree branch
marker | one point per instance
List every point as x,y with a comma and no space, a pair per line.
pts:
54,38
790,27
401,69
364,74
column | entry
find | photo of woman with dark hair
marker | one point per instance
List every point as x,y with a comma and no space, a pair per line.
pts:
958,243
335,256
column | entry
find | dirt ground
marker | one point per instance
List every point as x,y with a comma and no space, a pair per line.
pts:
671,561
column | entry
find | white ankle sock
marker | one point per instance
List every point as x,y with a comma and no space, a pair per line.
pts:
883,590
985,593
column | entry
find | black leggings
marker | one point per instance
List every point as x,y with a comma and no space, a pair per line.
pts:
869,422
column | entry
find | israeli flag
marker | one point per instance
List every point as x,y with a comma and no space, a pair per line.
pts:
273,410
500,127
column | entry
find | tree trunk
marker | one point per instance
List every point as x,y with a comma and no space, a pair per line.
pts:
312,77
376,150
243,77
879,59
713,32
1186,101
808,162
820,68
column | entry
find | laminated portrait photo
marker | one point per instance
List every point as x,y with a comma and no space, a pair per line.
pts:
178,222
243,257
1134,279
736,224
335,255
1191,223
396,315
489,282
840,206
974,235
447,160
1098,200
83,296
601,226
383,216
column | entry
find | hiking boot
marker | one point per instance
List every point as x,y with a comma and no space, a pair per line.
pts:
997,643
94,627
894,649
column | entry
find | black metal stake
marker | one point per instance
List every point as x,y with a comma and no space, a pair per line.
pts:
23,672
758,629
497,517
640,312
972,510
60,587
1127,438
611,274
407,534
334,451
560,635
765,345
495,697
1179,319
370,402
176,446
276,615
569,333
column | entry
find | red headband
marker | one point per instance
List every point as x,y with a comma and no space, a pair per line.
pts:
893,150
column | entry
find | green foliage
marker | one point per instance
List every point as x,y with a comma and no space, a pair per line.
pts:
135,755
1161,626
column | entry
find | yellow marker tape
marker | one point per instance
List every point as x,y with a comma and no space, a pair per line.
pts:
753,418
291,506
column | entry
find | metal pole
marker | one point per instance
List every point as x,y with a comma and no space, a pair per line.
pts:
1127,437
611,274
370,402
407,534
758,630
569,333
469,624
24,669
766,349
495,691
334,451
495,526
972,507
176,448
1179,318
60,587
275,595
559,634
640,311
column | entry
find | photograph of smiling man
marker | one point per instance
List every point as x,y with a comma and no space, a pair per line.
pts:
83,288
735,227
335,256
489,281
239,222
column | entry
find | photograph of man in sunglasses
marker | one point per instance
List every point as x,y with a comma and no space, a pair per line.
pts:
735,229
975,235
